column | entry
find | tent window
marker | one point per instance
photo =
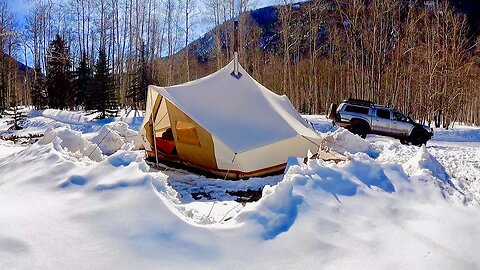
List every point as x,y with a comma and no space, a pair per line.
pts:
187,133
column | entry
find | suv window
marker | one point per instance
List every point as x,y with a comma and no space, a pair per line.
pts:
383,114
356,109
399,117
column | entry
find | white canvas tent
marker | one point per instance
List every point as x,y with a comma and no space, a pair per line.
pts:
227,125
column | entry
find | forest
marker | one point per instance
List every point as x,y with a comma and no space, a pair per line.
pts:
418,56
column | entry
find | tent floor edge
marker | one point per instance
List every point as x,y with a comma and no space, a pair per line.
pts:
214,172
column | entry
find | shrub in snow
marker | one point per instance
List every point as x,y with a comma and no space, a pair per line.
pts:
111,137
65,139
342,141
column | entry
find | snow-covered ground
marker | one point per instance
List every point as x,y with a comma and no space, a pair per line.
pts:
67,203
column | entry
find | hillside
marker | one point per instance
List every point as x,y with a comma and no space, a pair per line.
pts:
471,8
420,58
14,82
268,20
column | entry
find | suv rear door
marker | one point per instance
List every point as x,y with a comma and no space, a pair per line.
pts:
401,126
381,122
354,111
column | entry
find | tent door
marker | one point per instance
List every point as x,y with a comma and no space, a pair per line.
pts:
166,143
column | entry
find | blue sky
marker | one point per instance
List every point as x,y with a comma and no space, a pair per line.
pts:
20,8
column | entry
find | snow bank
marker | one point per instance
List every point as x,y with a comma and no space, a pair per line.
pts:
423,161
65,116
66,140
425,168
126,159
278,209
320,123
342,141
134,118
39,121
115,213
111,137
460,133
8,147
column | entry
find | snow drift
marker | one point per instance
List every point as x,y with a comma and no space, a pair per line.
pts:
71,142
111,137
423,161
65,116
342,141
60,209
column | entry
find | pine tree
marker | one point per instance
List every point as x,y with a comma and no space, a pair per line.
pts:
81,84
58,77
3,92
3,84
142,78
102,90
37,92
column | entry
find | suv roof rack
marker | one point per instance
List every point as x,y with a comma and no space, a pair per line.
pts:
360,102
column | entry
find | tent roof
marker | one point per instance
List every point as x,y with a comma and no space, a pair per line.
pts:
241,113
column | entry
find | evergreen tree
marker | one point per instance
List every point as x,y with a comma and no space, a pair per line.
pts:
81,84
142,78
58,77
102,90
37,92
3,92
3,84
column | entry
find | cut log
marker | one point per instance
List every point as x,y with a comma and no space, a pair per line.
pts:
331,156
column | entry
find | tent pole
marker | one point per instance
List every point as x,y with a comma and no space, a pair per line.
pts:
235,70
235,47
152,120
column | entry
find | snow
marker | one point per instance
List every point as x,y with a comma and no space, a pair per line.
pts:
74,117
8,147
86,123
66,202
111,137
320,123
422,161
341,141
72,143
133,118
458,134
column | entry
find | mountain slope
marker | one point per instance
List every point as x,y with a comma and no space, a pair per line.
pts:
267,19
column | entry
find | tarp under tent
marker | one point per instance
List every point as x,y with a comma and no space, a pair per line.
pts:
225,124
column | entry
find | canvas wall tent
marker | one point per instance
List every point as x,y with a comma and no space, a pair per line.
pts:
226,125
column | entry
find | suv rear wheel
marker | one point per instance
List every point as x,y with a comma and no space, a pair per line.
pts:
418,138
360,131
359,127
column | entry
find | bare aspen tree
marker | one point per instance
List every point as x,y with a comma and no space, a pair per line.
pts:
285,19
413,55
